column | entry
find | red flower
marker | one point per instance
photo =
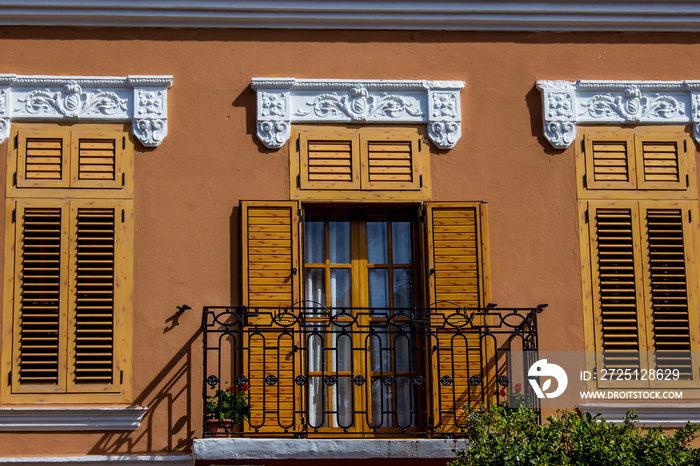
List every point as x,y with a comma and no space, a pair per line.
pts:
244,387
518,386
503,392
230,389
495,392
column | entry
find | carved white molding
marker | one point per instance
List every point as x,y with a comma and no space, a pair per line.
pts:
567,104
71,418
283,101
142,100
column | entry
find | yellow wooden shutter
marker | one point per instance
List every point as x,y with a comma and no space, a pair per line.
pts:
641,270
666,231
71,291
661,161
391,160
458,275
617,289
39,325
610,161
359,163
270,272
97,158
43,157
97,242
329,160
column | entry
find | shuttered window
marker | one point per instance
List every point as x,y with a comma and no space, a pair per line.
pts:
623,159
638,207
94,157
70,297
357,164
68,231
641,256
344,267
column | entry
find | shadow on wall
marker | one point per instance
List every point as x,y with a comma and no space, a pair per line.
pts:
171,423
169,397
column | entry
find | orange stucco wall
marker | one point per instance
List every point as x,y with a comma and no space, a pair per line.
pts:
187,190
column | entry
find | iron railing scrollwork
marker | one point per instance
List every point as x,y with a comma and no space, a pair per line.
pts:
310,370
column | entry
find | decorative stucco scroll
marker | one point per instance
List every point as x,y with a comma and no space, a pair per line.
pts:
567,104
283,101
142,100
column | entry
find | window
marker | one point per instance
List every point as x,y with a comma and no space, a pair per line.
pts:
342,163
367,265
68,253
361,265
639,201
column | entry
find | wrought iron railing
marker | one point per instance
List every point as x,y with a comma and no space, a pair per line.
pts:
310,370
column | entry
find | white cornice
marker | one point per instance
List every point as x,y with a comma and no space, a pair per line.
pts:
283,101
71,418
142,100
567,104
512,15
670,416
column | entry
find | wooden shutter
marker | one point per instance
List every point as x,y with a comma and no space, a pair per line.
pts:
458,275
43,157
618,294
356,164
40,271
71,293
665,234
391,160
97,242
640,286
329,160
661,161
97,158
270,273
610,161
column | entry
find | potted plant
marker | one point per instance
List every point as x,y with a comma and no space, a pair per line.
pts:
228,408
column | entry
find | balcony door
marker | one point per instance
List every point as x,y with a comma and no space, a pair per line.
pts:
360,274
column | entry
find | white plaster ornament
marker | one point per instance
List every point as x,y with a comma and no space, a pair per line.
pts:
283,101
567,104
142,100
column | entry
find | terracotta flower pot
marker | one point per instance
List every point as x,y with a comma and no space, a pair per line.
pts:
223,426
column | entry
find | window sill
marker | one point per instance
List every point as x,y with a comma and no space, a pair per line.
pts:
71,418
649,415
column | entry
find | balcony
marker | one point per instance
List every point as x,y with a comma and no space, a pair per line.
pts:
308,371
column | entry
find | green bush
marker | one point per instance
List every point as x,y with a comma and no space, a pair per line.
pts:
500,436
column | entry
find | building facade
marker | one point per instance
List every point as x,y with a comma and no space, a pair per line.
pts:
334,209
